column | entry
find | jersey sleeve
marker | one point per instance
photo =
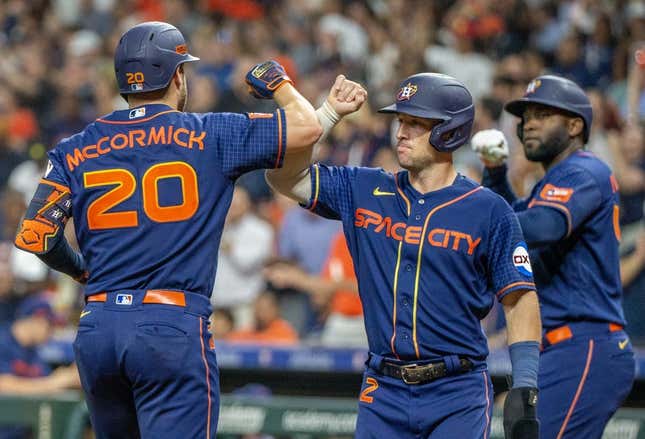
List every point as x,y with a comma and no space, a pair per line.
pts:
509,266
574,193
331,191
50,208
55,172
249,141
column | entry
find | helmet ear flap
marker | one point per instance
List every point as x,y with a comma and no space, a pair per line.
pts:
520,130
454,132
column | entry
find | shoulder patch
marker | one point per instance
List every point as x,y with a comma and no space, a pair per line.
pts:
521,259
553,193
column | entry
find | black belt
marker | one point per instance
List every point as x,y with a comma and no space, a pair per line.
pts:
419,374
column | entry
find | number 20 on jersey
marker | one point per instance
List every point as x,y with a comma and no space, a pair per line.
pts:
98,217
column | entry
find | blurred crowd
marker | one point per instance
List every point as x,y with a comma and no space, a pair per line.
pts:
284,275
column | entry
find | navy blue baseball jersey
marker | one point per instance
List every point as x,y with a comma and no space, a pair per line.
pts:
428,265
150,189
579,277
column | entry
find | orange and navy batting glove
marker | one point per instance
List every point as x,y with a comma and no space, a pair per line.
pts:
265,78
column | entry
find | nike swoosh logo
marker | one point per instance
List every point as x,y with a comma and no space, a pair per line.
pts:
622,344
377,192
84,313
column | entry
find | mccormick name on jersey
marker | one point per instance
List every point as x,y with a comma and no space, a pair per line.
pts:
157,135
400,231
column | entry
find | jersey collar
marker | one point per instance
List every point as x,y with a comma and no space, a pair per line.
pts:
403,180
137,114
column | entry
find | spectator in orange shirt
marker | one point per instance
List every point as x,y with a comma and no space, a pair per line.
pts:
269,327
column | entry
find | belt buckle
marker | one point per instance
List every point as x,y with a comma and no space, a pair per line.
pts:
408,368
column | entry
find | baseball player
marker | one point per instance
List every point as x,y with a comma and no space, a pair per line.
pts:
431,250
149,188
570,222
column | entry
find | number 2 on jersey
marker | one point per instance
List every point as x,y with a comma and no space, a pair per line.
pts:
98,217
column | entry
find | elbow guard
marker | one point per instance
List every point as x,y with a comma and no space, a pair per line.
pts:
45,219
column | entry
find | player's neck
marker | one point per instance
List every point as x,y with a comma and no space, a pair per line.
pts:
573,147
433,177
134,102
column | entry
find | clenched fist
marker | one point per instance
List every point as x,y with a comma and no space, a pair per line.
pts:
346,96
491,147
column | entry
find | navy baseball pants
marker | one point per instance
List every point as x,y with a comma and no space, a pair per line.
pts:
146,365
585,376
456,406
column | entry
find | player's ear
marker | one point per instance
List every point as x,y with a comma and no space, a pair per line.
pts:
576,126
178,76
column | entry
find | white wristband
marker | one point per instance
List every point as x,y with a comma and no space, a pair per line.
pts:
327,117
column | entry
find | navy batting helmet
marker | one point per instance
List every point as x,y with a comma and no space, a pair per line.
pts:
148,55
437,96
556,92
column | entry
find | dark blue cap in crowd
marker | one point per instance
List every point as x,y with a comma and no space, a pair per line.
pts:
35,306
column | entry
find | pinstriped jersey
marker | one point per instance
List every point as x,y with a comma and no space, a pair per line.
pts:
151,187
428,265
579,276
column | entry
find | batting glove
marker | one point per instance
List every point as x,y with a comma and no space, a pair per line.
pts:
520,418
491,146
265,78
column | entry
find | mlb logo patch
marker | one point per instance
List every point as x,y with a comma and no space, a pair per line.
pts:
137,112
554,193
124,299
136,87
521,259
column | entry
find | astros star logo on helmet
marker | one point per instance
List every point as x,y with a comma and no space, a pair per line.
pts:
533,85
406,92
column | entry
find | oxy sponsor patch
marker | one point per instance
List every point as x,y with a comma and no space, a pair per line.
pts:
521,259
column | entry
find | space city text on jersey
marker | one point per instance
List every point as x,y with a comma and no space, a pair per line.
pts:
400,231
156,135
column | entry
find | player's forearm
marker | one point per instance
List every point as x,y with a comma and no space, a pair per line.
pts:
495,179
293,179
61,257
524,333
523,317
303,127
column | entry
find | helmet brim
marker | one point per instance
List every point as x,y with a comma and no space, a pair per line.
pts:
190,58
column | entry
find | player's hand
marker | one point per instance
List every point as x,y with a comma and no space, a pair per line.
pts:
491,147
346,96
520,417
265,78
